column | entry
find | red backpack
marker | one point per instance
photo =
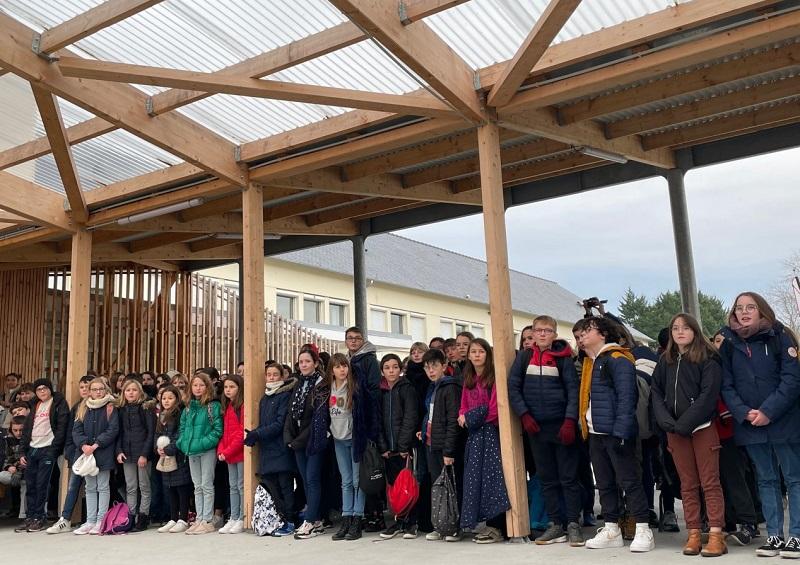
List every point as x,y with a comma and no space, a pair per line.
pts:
404,493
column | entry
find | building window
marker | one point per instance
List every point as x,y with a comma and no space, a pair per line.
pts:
461,328
285,305
311,310
477,331
446,329
377,320
337,314
398,323
418,328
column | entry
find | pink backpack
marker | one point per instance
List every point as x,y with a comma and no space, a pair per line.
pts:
117,520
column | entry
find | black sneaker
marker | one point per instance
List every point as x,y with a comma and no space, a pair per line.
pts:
343,528
375,524
392,530
23,527
410,532
669,522
740,537
772,548
36,525
792,549
354,532
574,535
553,534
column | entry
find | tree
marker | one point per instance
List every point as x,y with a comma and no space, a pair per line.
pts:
649,318
781,296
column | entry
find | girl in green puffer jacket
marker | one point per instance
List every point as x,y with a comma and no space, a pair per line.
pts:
199,434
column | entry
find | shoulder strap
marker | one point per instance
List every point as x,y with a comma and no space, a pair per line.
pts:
109,410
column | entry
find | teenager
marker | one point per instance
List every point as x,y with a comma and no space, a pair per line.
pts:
684,389
526,338
177,483
231,449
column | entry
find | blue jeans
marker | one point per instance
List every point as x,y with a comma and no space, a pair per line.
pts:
98,494
236,484
768,458
73,490
202,468
37,478
310,467
352,497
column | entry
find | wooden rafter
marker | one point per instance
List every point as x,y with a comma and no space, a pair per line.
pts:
533,47
212,243
309,204
34,202
355,210
421,49
411,11
147,183
227,203
159,240
59,144
28,238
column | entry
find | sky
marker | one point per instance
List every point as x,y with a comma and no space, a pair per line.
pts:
743,219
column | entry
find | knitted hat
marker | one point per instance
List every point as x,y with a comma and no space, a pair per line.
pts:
43,382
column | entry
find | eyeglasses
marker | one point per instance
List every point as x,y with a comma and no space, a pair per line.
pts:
746,308
95,389
545,331
41,387
354,338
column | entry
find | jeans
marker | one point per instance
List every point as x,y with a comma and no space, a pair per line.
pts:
310,467
202,469
98,494
137,479
37,477
769,461
281,488
236,483
352,496
739,507
73,490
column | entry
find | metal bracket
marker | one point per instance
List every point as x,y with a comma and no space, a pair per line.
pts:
36,43
148,105
476,80
237,153
402,12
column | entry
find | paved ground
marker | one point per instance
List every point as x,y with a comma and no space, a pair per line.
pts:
209,549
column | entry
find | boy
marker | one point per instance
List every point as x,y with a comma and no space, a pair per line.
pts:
20,408
25,393
441,434
543,391
11,475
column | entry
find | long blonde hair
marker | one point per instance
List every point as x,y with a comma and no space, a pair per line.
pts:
122,401
80,414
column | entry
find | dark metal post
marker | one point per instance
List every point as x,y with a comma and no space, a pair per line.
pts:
683,242
360,282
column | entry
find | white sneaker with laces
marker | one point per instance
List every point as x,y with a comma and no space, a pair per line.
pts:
227,527
180,527
95,531
84,529
643,540
63,525
606,537
167,527
237,527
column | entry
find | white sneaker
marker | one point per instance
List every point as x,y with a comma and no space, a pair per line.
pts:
643,541
226,529
433,536
59,527
606,537
95,531
179,527
237,527
167,527
84,529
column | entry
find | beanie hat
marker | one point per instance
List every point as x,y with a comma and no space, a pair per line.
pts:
43,382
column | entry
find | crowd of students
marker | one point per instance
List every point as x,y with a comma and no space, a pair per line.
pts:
705,421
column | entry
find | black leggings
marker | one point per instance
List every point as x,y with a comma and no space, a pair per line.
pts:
179,502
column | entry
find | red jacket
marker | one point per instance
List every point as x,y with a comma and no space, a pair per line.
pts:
232,443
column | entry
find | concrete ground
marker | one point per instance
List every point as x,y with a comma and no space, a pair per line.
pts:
152,547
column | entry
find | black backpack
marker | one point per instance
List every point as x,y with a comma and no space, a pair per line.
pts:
372,471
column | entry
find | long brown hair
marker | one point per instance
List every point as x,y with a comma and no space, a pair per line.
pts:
698,351
764,309
173,413
239,399
487,377
340,360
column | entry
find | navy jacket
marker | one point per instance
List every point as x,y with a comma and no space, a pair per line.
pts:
99,426
136,431
549,390
762,373
70,451
614,396
274,456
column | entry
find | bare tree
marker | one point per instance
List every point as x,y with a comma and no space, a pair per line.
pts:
781,294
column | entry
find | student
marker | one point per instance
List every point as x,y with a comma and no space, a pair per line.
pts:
43,440
684,388
761,386
199,434
415,375
180,382
451,352
485,499
440,433
348,403
526,338
178,482
400,419
463,339
134,448
70,455
275,460
305,432
11,474
231,449
11,384
436,343
25,393
543,392
95,433
20,408
607,409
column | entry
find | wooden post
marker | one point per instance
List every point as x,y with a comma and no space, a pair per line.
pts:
251,289
494,224
78,328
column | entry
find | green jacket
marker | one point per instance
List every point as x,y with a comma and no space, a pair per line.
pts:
200,428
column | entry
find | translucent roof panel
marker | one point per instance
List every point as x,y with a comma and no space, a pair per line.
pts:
18,112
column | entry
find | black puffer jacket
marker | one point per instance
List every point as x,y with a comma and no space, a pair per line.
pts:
169,427
70,451
415,374
400,417
446,435
59,422
137,424
684,394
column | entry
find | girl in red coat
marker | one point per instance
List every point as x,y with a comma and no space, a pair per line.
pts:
231,449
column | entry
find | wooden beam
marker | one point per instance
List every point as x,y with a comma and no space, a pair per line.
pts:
212,243
168,177
8,217
414,10
361,208
29,237
421,49
161,265
59,144
122,105
83,25
227,203
311,203
411,104
34,202
543,122
502,319
159,240
544,31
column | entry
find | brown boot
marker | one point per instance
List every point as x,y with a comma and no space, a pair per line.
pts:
693,544
715,546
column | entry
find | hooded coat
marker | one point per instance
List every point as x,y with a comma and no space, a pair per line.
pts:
544,383
609,390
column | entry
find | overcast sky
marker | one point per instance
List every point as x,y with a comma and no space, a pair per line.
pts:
744,224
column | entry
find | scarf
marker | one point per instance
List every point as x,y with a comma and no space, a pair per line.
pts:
750,331
99,402
586,381
299,400
273,387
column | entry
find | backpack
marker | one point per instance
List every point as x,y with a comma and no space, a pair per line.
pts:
117,520
404,493
372,471
643,418
266,519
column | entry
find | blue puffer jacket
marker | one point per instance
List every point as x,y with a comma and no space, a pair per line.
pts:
614,394
544,383
274,456
100,426
762,373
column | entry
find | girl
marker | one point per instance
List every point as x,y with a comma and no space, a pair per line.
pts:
347,425
180,382
200,430
400,421
685,387
485,498
134,446
761,385
231,448
305,432
178,482
95,433
526,338
276,462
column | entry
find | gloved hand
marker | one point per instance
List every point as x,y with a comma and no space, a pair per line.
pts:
530,424
566,435
250,438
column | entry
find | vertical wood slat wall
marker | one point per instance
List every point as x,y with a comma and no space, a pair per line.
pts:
139,319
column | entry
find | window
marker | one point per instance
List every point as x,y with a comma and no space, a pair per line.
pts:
446,329
311,310
337,314
285,305
461,328
477,331
418,328
377,320
398,323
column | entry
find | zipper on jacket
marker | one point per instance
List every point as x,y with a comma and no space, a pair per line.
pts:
391,418
675,397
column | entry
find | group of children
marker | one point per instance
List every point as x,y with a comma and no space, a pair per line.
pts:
609,404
